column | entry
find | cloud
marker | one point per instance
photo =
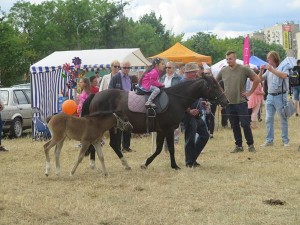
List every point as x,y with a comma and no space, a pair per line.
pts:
229,18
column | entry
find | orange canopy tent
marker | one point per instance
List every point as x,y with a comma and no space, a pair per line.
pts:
180,53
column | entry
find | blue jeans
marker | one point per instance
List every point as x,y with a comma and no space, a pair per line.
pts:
239,117
275,104
296,91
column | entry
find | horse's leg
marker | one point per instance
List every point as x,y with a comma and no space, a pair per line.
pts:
159,145
58,148
99,151
91,151
170,142
47,148
115,143
84,147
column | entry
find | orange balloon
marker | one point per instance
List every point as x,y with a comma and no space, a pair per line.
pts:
69,107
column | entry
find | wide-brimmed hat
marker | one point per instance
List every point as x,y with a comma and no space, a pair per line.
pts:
192,66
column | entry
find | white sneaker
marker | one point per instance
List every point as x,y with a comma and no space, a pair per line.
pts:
150,105
286,144
267,144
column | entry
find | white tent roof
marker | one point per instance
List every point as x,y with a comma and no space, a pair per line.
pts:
215,69
96,58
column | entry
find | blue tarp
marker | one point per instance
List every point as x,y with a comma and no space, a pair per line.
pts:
257,61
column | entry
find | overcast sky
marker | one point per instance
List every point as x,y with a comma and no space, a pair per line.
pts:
229,18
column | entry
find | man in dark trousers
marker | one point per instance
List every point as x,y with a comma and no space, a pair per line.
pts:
121,81
195,130
235,78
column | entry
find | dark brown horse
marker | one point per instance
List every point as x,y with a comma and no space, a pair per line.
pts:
181,96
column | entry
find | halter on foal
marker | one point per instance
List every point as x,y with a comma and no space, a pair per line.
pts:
88,130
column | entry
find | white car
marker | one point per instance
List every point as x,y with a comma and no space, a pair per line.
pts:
17,113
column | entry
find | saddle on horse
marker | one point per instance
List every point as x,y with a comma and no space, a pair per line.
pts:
136,102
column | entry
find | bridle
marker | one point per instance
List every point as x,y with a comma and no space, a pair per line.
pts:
217,98
122,124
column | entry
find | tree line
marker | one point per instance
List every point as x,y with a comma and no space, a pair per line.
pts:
30,32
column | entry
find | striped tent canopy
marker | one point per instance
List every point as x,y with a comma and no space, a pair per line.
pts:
47,81
94,59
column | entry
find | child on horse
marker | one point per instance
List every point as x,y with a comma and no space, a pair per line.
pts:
149,81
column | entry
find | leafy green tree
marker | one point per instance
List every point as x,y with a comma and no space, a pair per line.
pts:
160,29
202,43
145,38
13,57
260,49
30,32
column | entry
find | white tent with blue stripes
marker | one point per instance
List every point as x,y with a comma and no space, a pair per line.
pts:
47,81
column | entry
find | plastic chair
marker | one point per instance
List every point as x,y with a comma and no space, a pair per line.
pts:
42,132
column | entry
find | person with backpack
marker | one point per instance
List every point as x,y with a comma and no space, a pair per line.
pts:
275,74
295,83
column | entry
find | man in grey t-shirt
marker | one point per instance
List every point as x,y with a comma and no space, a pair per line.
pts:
235,77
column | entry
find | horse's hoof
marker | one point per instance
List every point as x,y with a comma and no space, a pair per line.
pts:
143,167
46,174
128,168
92,165
176,167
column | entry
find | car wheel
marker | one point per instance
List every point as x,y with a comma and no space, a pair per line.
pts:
16,129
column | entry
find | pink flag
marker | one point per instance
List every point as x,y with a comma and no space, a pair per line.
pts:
246,51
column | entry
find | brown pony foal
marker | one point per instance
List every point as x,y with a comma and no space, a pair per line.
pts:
88,130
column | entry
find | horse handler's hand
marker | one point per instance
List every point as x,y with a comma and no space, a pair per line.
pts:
194,112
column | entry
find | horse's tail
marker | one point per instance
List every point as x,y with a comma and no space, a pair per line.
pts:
48,119
86,105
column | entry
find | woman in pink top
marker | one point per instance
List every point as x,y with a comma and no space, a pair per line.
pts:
254,103
149,81
84,85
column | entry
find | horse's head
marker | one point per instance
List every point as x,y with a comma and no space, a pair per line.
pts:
214,91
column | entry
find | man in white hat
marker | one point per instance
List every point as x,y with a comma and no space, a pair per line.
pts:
195,130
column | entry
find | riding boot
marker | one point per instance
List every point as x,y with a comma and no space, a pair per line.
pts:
154,93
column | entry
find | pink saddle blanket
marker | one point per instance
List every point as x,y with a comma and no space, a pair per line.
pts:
136,103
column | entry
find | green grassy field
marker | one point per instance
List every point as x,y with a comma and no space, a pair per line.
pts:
226,189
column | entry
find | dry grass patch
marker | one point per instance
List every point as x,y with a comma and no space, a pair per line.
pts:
226,189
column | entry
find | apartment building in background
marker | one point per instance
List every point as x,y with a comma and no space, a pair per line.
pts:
286,34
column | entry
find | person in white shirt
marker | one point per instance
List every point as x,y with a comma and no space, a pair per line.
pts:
171,78
114,67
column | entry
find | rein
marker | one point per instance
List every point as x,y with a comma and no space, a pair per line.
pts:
185,97
220,96
121,124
